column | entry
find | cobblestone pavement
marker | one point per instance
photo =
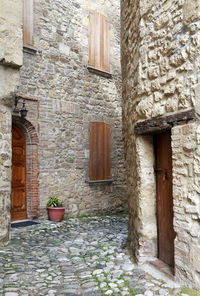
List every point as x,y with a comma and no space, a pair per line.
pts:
85,256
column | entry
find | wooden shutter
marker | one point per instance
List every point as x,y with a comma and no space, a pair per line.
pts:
28,23
105,44
99,42
100,135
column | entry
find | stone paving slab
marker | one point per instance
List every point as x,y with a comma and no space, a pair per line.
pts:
85,256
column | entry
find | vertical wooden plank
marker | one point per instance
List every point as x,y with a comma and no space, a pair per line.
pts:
92,39
105,44
97,40
102,42
107,151
101,151
28,23
92,150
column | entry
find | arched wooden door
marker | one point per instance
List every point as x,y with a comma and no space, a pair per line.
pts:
18,194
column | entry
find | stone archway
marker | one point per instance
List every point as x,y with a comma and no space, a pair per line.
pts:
32,190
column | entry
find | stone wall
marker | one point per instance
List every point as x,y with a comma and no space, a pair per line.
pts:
130,18
160,68
69,98
10,61
186,164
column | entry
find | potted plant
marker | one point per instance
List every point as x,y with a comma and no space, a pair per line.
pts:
56,209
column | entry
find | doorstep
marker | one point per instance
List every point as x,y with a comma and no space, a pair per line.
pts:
163,267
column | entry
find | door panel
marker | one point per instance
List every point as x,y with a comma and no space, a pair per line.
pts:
166,234
18,194
19,175
18,199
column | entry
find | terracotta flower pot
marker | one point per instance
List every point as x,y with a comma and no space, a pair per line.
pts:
56,214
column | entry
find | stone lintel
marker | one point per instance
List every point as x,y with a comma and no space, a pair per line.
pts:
25,97
156,125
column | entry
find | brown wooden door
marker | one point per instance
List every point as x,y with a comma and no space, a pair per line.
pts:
166,234
18,194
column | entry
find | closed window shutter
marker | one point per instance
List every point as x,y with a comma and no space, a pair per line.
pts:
99,42
28,23
100,135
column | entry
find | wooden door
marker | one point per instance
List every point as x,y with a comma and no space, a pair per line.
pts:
18,194
166,234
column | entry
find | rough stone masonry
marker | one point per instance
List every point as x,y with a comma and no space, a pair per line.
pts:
63,97
10,61
160,68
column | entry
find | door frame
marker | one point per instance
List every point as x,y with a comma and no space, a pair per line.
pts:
165,173
142,197
144,214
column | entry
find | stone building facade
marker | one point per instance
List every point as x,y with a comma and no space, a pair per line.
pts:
63,96
161,83
10,62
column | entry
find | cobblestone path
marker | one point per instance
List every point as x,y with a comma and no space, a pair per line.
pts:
85,256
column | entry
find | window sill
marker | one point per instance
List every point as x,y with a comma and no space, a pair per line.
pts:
99,72
30,50
100,181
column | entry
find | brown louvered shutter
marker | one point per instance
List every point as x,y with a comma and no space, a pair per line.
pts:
99,42
100,135
28,23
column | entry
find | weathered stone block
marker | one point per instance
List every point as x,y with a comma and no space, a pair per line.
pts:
153,72
195,257
191,11
11,32
9,79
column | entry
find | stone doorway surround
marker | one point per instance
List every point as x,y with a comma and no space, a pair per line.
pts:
32,190
164,198
183,129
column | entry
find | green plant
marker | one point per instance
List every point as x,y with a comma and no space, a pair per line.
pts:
54,202
190,292
69,217
83,216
